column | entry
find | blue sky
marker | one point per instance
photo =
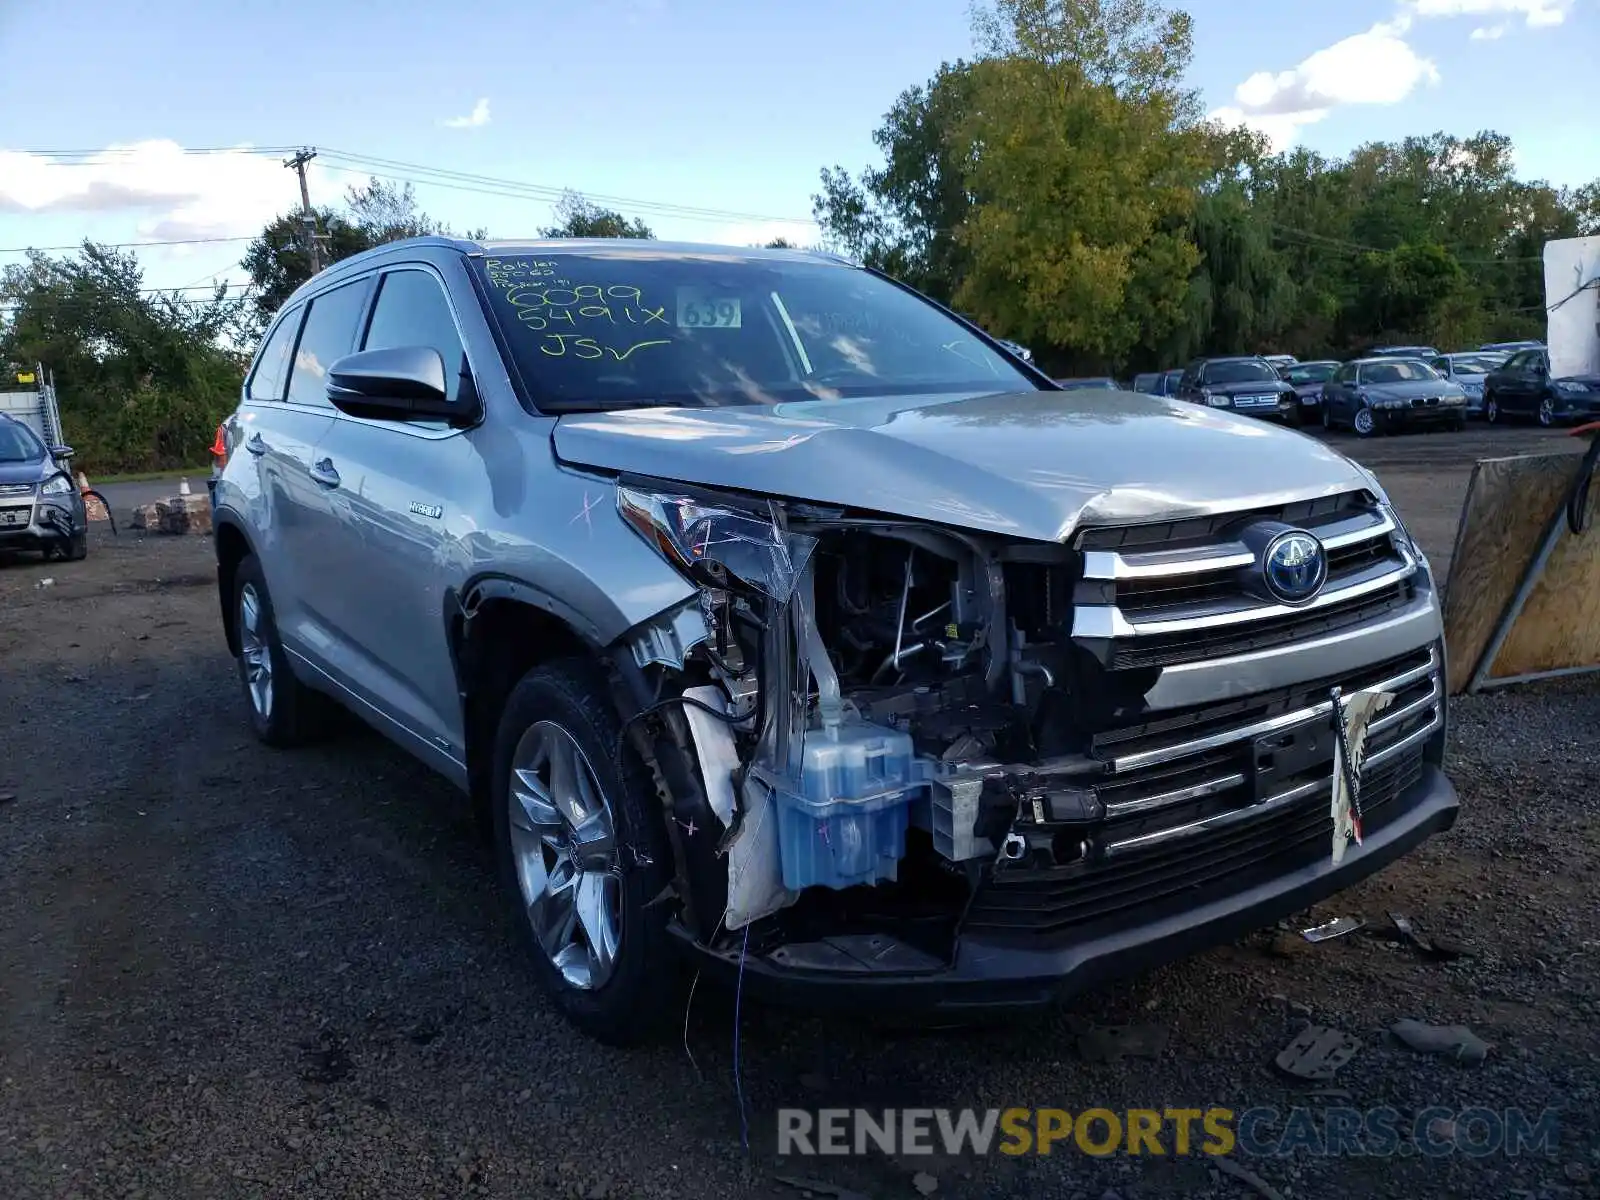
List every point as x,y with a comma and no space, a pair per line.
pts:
729,105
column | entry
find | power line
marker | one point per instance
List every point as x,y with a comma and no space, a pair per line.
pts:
247,237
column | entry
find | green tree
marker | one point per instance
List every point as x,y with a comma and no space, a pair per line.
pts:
373,214
1083,160
576,217
277,262
142,376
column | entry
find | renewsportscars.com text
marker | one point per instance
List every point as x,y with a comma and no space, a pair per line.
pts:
1257,1132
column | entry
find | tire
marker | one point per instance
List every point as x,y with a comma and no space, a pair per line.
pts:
1327,418
283,711
613,972
1491,408
77,547
1365,422
1547,412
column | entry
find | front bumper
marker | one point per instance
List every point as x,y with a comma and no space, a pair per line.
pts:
1000,972
30,524
1575,407
1420,415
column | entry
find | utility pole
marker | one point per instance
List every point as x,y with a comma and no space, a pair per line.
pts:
298,163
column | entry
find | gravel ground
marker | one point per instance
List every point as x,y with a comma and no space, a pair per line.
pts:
231,972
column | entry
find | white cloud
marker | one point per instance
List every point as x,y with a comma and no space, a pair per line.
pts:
1535,12
1488,33
162,192
1375,67
477,117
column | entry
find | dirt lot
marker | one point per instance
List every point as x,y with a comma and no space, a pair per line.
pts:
227,972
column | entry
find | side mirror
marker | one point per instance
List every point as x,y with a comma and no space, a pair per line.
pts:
402,383
61,453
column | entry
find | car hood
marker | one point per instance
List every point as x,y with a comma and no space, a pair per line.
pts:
1031,465
1411,389
25,472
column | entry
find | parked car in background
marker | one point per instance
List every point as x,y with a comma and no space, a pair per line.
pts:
1103,382
1246,384
1307,379
40,507
1158,383
1512,347
1469,370
1382,394
1422,352
1281,362
1522,387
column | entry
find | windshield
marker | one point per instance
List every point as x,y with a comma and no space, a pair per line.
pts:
610,328
1402,370
1244,371
1313,373
17,443
1474,366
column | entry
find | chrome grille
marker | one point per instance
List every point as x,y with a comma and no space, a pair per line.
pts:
1183,592
17,489
1257,401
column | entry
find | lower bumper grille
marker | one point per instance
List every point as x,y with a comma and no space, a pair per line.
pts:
1169,878
1218,798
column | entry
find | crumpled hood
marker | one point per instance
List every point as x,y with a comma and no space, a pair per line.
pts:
1028,464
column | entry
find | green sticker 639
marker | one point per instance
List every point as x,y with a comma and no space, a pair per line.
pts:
705,310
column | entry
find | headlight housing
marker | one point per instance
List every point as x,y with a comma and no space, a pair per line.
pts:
56,485
711,539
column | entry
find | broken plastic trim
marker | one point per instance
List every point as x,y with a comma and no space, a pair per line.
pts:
705,538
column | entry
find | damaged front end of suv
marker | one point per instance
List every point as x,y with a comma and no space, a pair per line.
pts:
941,768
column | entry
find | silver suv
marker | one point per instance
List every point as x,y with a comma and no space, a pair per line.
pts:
779,621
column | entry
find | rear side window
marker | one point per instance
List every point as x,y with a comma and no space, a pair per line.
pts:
411,310
272,367
330,334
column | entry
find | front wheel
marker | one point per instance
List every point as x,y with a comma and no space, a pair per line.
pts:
1327,418
582,852
1365,421
77,547
1491,409
1547,412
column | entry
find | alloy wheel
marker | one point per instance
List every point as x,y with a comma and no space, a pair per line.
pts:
564,849
255,650
1364,422
1547,412
1491,410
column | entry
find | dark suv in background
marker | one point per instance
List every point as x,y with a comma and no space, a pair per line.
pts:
1249,385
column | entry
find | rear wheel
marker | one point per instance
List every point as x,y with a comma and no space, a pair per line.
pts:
582,852
283,711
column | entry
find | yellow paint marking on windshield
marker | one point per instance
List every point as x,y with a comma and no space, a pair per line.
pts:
638,346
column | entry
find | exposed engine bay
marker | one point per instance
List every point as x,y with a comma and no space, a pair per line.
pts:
869,713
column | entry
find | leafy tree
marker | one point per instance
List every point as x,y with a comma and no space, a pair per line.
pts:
142,376
576,217
277,262
374,214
